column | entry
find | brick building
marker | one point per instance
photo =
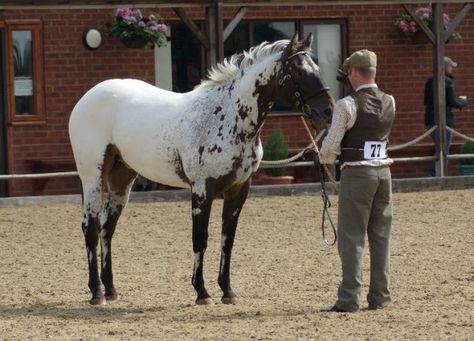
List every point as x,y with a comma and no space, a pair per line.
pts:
64,69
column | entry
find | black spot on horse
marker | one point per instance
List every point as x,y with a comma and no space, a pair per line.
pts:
178,167
237,162
240,137
222,117
243,112
200,151
231,87
218,109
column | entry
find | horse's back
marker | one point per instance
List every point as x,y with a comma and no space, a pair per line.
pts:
96,113
111,96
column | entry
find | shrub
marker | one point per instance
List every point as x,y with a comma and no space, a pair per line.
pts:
467,148
275,149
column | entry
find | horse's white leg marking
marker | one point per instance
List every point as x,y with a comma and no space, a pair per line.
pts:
197,262
104,246
223,240
89,254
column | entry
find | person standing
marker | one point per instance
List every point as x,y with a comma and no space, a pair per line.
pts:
359,133
452,101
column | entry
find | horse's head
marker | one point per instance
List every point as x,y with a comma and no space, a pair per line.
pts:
301,84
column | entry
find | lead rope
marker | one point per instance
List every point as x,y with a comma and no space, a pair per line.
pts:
326,202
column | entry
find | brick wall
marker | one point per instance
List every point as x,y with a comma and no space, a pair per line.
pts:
70,70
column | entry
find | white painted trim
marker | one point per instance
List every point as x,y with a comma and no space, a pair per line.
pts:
164,66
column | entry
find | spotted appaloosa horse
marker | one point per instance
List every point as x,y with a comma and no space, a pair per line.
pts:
207,140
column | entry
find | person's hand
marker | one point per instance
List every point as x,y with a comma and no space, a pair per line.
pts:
326,158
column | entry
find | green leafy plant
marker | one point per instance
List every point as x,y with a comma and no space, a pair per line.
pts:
132,25
275,149
409,27
467,148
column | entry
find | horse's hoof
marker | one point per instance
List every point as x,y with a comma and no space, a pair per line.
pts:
111,297
97,301
229,300
204,301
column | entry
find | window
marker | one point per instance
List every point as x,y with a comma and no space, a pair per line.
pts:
328,48
24,55
187,59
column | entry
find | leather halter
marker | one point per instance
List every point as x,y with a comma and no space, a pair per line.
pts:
301,102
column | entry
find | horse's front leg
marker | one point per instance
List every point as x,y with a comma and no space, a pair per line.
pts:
234,199
201,205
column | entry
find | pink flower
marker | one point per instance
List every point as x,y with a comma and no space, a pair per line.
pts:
137,13
141,24
445,18
413,26
403,26
162,27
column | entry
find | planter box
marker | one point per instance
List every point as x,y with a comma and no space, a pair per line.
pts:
276,180
466,169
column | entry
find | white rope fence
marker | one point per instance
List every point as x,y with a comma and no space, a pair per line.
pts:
414,141
266,163
36,176
465,137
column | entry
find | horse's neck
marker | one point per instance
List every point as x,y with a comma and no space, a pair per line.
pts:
256,90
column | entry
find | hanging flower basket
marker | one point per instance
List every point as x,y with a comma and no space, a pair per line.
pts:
409,28
136,30
134,42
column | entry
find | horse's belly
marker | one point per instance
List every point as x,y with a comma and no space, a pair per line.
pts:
155,168
150,161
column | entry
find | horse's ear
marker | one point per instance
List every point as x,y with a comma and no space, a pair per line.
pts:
295,38
308,42
291,48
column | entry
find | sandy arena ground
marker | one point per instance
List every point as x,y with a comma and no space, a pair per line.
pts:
282,272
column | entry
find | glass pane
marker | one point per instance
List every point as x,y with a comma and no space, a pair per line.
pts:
272,31
186,58
23,72
238,41
327,48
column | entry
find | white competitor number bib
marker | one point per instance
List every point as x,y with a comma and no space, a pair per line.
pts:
374,150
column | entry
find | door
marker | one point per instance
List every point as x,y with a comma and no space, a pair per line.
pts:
3,114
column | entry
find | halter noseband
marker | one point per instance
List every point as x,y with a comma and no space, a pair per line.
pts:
300,102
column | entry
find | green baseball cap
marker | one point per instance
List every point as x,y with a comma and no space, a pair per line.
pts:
360,59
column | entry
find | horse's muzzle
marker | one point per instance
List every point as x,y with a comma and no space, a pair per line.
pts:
321,117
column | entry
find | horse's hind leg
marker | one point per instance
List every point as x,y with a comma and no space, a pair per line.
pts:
234,199
119,182
90,227
201,205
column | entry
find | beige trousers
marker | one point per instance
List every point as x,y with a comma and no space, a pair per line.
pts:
365,206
